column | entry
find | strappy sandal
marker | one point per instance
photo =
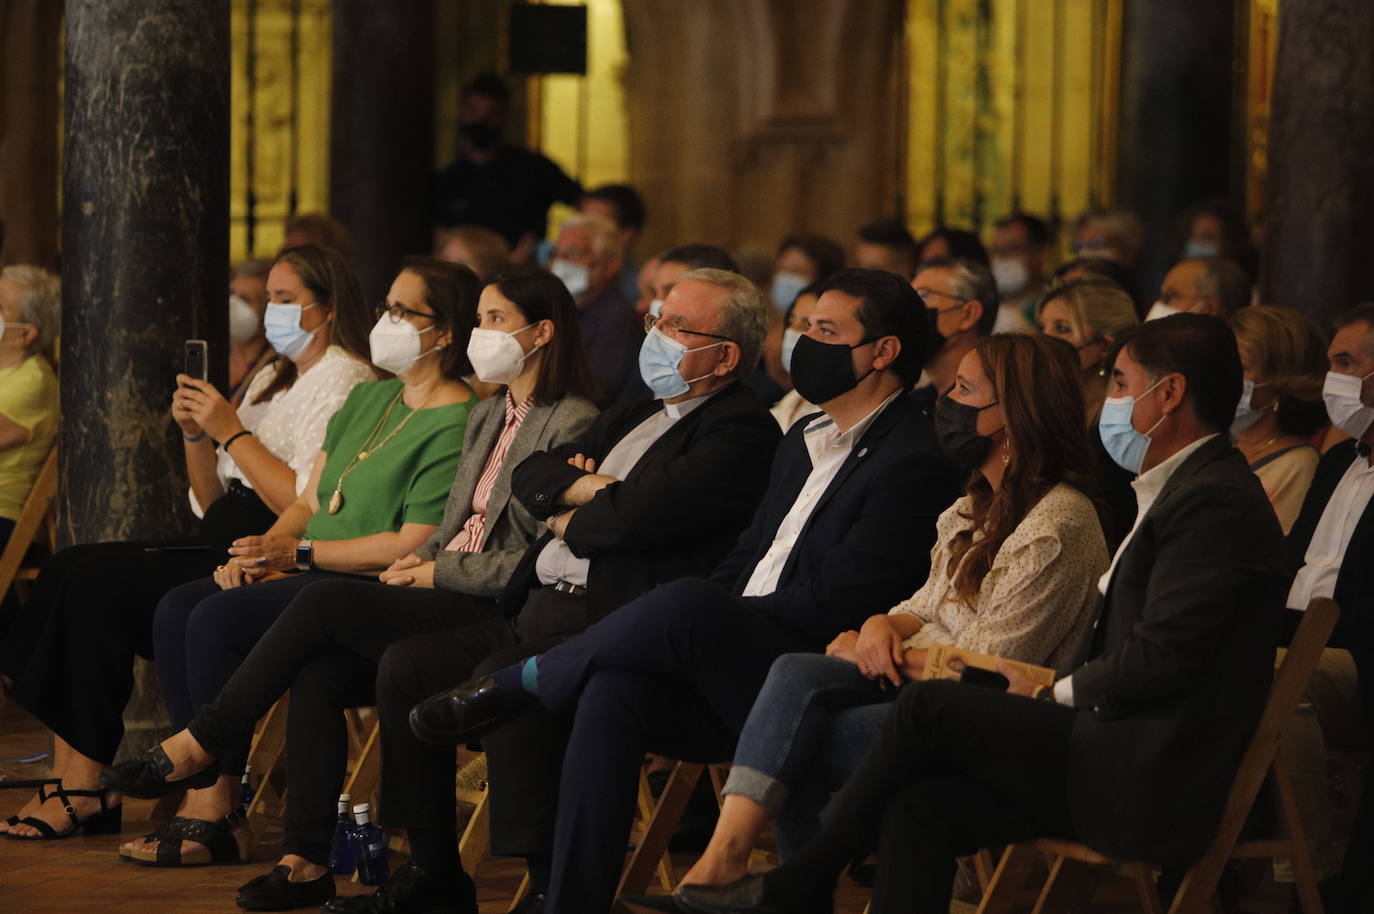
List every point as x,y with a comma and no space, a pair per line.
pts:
106,822
223,842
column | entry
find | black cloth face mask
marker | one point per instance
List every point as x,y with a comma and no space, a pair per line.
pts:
823,371
480,134
956,428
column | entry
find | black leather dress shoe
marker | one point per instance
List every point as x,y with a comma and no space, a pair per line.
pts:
532,903
743,896
275,891
145,777
410,890
467,712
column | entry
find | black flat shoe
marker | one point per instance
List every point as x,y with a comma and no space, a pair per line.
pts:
467,712
410,890
106,822
275,891
743,896
146,776
224,842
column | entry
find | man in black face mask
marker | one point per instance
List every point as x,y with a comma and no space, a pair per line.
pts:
960,299
496,184
843,532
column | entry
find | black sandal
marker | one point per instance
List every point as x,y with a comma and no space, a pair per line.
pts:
106,822
223,842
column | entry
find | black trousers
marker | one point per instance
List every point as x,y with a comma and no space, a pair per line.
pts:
324,647
71,651
417,777
674,671
955,768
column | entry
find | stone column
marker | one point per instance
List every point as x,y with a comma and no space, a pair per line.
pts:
1320,194
145,234
382,145
1177,118
29,114
145,253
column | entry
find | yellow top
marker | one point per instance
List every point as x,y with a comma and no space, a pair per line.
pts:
28,397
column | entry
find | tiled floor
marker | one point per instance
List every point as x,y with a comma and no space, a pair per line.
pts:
85,875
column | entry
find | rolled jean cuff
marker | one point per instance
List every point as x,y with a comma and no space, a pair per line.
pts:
768,792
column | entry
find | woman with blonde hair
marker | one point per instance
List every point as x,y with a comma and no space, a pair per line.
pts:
1281,409
1089,315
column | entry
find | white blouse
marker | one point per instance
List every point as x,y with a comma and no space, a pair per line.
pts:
291,425
1038,596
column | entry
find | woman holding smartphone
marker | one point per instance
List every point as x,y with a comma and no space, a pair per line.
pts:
69,659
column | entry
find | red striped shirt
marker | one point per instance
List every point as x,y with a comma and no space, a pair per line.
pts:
470,538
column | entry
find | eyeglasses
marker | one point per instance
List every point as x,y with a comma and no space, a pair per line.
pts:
651,321
399,312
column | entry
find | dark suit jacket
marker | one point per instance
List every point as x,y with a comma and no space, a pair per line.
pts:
1354,592
675,514
866,545
1180,660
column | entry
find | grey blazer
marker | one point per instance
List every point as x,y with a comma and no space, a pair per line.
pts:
509,527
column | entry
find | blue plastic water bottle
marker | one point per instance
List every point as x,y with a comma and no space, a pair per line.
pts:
369,847
340,850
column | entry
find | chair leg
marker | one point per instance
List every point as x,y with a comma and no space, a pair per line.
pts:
1070,882
521,891
651,852
984,865
1004,889
476,840
1290,818
1144,877
367,770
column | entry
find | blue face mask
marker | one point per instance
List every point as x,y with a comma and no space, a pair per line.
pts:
659,358
1124,444
785,289
282,324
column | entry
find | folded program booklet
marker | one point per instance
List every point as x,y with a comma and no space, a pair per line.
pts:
939,655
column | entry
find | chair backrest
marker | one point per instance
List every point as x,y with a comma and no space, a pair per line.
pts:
1289,684
29,521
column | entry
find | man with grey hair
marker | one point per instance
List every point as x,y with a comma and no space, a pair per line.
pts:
587,258
651,492
1203,285
30,299
960,297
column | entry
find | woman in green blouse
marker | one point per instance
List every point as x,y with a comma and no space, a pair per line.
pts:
376,493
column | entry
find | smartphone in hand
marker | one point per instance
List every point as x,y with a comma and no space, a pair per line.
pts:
197,353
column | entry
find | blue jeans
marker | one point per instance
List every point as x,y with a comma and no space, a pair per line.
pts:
810,726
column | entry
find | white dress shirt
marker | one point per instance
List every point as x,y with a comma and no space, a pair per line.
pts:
556,561
1322,562
828,448
1147,487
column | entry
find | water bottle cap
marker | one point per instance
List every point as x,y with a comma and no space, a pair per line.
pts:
344,798
361,808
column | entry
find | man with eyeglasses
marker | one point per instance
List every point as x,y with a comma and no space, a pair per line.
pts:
844,530
960,299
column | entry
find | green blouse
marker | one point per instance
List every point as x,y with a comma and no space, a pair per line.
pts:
405,480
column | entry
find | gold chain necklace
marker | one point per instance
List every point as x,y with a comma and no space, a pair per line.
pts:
369,447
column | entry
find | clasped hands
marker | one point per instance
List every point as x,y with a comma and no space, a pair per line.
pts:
252,558
876,649
198,407
583,490
409,571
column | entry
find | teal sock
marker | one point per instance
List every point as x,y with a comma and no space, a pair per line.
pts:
529,675
519,679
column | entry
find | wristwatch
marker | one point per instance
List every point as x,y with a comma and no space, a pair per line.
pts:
305,555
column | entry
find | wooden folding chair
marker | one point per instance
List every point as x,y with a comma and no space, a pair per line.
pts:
1070,881
34,519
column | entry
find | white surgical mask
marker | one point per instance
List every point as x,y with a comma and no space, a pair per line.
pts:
789,343
1198,247
243,321
1159,309
1344,404
659,358
395,345
1246,414
1011,275
284,332
496,355
575,276
656,307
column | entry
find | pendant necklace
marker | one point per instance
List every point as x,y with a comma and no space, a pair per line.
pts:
372,446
